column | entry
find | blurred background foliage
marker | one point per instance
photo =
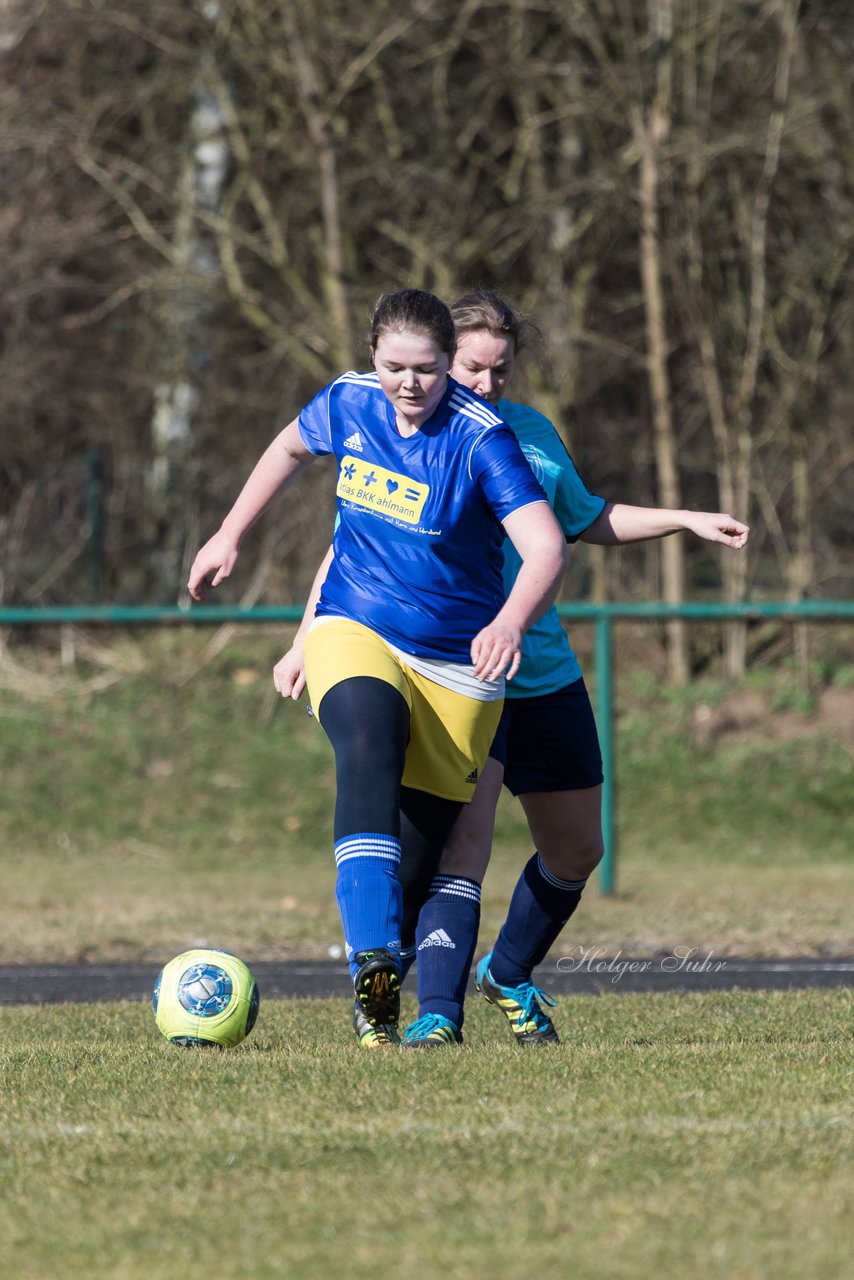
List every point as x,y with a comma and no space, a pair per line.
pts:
200,202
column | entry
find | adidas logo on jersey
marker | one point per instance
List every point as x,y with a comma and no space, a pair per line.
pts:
354,442
438,938
472,776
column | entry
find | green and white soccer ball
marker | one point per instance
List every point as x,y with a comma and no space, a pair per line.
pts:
205,997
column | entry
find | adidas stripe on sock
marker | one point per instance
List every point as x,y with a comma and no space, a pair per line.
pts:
446,936
540,907
368,890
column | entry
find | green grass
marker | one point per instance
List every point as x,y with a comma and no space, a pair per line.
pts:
159,796
703,1135
150,802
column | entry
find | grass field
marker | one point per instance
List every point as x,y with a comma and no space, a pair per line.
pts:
158,796
706,1136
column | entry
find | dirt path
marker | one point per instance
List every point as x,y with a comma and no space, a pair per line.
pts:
587,974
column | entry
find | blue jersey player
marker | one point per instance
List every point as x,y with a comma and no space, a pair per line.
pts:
405,660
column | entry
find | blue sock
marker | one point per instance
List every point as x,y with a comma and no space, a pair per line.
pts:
446,937
540,907
368,890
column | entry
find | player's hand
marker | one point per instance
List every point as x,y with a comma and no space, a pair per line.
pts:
212,565
289,673
718,527
496,651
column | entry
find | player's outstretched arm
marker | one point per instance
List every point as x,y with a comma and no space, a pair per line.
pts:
289,671
277,467
717,527
620,523
536,535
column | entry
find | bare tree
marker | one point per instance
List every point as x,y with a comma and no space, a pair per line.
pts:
200,202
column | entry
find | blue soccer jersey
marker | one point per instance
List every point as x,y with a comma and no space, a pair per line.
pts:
548,662
418,544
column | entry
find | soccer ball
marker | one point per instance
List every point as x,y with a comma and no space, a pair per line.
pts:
205,998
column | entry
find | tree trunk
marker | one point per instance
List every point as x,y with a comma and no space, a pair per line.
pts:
649,134
320,131
184,323
735,567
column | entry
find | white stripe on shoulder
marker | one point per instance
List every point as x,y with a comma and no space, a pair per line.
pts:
473,412
361,379
464,402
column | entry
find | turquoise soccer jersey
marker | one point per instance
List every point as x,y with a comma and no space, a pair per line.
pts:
548,662
418,545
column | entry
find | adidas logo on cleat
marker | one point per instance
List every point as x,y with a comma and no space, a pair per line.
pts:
472,778
438,938
354,442
378,985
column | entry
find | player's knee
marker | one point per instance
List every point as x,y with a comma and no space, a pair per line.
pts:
592,856
362,761
576,859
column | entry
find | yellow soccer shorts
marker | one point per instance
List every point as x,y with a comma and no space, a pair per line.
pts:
449,733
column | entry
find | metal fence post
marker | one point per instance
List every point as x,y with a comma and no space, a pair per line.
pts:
605,724
94,519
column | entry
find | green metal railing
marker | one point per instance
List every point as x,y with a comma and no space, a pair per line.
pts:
603,616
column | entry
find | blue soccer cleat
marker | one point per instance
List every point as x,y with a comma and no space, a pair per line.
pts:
431,1031
520,1005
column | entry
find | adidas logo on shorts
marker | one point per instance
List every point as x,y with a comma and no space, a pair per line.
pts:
438,938
354,442
472,778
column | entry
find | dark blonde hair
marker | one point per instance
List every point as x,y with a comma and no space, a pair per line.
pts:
484,309
414,309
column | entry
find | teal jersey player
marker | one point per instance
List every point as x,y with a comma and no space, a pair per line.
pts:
548,661
546,750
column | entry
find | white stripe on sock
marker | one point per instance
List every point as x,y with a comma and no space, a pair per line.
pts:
455,887
367,846
555,882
